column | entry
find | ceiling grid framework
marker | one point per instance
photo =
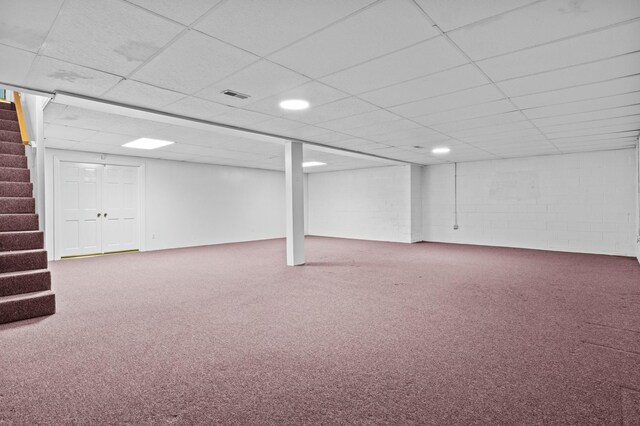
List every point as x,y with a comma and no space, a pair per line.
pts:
389,77
490,82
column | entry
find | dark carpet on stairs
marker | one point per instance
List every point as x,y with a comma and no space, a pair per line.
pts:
365,333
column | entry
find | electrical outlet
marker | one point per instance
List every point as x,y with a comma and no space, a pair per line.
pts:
455,227
153,236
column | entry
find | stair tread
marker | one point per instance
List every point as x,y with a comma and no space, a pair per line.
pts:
24,296
32,231
21,273
4,253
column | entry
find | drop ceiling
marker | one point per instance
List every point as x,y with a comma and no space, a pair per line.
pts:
394,78
81,129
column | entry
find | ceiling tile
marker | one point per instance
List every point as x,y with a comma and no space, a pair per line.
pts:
489,108
308,132
378,30
619,66
334,110
451,101
600,147
330,138
453,80
584,105
15,65
588,91
241,117
184,68
589,116
480,122
277,126
258,80
197,108
599,142
60,143
115,37
527,151
512,135
415,136
314,92
179,134
382,128
586,139
106,138
52,75
594,131
421,59
539,23
263,27
184,11
79,117
360,120
479,128
137,127
69,133
27,22
450,14
131,92
469,153
630,120
354,143
573,51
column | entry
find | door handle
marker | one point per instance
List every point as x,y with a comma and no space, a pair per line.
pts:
99,214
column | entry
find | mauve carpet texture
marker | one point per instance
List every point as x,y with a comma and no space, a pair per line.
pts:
367,333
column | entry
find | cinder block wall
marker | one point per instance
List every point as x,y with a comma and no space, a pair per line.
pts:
582,202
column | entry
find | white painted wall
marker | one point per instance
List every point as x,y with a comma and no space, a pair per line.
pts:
190,204
578,202
369,204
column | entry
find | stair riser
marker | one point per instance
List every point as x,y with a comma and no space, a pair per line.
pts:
17,310
22,261
8,115
25,283
17,205
8,174
10,136
10,125
6,106
10,241
16,189
11,148
14,161
18,222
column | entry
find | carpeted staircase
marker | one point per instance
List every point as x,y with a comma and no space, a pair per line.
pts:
25,282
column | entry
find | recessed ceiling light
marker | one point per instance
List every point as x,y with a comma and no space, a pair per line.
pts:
147,143
441,150
313,164
294,104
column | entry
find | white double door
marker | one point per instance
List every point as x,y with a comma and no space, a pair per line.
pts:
99,209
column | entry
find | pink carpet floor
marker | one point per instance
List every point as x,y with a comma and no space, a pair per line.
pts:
365,333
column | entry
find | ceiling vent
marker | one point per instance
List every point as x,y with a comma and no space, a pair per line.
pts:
235,94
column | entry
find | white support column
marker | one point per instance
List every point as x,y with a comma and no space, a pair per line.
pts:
294,177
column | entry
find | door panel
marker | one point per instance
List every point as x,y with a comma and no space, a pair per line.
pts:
99,209
120,204
80,204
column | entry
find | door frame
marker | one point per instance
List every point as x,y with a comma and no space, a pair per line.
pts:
104,160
